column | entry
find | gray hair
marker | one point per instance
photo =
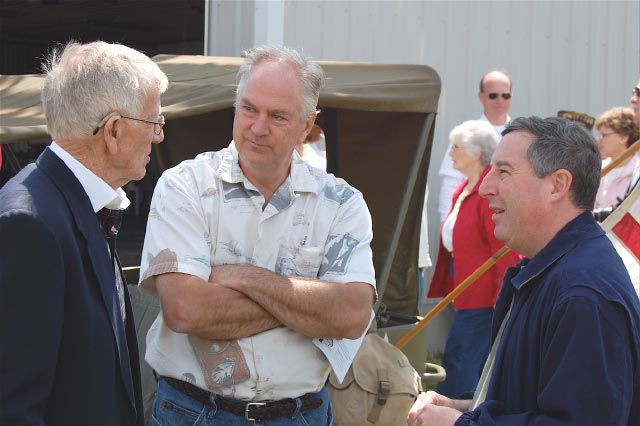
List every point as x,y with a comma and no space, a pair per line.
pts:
86,82
310,73
563,144
476,136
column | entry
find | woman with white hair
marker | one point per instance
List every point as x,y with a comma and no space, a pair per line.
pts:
466,242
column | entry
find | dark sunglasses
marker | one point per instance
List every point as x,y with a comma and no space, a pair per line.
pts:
505,96
635,92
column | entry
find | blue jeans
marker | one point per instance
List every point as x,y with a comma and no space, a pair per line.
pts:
466,350
173,408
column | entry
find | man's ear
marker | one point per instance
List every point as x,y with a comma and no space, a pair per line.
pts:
308,125
560,181
112,131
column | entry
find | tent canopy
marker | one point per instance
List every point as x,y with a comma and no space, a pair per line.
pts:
200,84
378,121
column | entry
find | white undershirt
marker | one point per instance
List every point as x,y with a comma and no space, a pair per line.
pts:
450,222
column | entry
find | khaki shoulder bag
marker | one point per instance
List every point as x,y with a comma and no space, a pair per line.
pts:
379,388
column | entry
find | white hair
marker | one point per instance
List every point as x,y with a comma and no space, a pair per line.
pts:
310,73
476,136
86,82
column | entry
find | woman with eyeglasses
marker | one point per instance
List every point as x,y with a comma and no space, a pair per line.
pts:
466,242
617,130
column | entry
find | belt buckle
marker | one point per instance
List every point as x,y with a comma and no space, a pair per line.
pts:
248,407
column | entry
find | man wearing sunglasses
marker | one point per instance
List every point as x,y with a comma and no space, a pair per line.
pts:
495,97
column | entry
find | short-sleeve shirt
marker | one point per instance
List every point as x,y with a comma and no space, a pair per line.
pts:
204,213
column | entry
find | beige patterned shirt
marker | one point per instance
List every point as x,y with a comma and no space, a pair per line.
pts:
204,213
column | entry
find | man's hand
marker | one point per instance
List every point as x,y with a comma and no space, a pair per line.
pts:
433,409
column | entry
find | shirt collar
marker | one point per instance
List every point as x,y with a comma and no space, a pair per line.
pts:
484,118
581,228
99,192
301,175
499,128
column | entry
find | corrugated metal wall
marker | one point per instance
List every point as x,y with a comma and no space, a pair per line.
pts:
577,55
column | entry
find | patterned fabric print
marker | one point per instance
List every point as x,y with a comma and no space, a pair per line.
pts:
163,262
340,250
206,213
221,361
299,261
339,194
235,191
283,197
234,249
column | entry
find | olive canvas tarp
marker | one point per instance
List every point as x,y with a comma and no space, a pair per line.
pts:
378,121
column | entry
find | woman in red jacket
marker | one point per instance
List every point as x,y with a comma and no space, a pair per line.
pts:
466,242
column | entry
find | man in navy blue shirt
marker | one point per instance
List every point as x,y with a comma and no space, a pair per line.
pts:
566,328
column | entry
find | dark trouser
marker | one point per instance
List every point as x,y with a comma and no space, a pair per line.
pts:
466,350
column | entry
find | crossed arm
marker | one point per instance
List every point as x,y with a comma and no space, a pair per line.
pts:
243,300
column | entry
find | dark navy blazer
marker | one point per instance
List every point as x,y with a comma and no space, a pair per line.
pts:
66,357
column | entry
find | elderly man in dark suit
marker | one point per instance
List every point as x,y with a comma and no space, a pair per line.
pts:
68,351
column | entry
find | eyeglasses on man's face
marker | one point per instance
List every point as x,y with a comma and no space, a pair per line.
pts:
505,96
157,125
635,92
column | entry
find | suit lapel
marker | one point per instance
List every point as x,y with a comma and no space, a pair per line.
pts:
87,223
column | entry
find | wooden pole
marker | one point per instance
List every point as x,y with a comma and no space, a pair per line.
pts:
449,297
626,154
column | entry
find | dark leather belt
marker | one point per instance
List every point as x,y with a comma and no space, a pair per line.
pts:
259,411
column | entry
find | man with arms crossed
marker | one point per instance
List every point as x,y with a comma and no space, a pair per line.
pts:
253,253
566,327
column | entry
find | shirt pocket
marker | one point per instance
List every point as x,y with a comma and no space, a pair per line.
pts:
299,261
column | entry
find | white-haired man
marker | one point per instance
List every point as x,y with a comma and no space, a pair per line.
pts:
68,349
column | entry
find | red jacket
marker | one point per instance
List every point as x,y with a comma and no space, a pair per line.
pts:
473,244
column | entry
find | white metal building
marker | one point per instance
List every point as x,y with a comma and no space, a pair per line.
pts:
563,55
574,55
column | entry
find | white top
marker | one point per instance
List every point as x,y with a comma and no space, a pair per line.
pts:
424,260
99,192
452,178
314,157
615,184
498,128
319,146
204,213
449,223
